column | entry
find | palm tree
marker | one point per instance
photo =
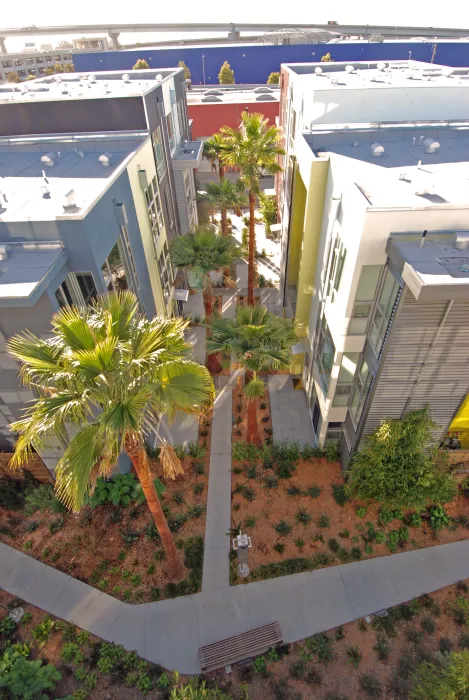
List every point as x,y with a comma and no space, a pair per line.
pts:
211,151
103,381
258,340
224,195
204,251
252,148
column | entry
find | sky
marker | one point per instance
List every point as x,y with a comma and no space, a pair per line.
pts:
395,12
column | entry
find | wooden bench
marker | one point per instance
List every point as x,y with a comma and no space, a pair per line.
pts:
240,647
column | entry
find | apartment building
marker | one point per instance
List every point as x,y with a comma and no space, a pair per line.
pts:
375,241
96,177
27,64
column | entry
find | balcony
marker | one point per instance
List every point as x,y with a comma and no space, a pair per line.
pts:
188,155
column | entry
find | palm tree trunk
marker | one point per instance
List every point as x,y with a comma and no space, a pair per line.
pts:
139,459
252,426
224,231
252,247
221,171
212,363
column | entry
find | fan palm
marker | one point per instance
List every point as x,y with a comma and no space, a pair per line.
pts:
224,195
252,148
204,251
103,381
260,342
211,151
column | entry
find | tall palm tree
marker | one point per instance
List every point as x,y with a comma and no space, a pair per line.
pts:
224,195
103,381
211,151
204,251
252,148
260,341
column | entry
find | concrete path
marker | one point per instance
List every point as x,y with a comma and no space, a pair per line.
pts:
290,413
216,571
169,632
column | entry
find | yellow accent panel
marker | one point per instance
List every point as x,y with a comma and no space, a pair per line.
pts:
311,233
144,160
460,424
298,364
297,217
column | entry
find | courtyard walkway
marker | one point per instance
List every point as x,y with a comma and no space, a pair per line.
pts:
169,632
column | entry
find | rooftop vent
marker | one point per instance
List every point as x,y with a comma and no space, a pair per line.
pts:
105,159
126,78
213,92
263,90
377,150
462,240
158,77
105,89
48,159
381,66
69,200
318,70
265,98
448,72
431,146
349,69
211,98
92,78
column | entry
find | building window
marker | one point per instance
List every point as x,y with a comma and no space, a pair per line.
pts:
364,297
315,411
7,64
325,354
170,126
87,286
360,392
63,295
18,62
31,71
29,61
155,212
183,126
67,57
159,152
128,256
169,208
114,271
383,311
336,267
39,60
333,433
49,59
345,378
57,58
22,73
166,272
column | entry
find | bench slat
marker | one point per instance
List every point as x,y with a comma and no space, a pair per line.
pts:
239,647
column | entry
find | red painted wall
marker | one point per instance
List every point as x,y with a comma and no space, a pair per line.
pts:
208,118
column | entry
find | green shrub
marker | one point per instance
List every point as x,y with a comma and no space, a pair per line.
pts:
198,489
438,519
271,481
294,491
321,646
354,656
333,545
42,630
71,653
121,490
360,511
445,645
56,525
282,528
250,522
371,685
245,452
42,498
129,536
413,520
297,669
382,648
314,491
323,521
109,655
279,547
7,627
248,493
339,492
26,680
303,517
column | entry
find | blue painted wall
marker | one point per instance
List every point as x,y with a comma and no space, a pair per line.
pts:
254,63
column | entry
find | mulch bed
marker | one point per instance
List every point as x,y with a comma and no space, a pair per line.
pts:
115,548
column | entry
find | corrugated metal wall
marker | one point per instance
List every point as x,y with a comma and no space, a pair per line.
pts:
181,200
443,377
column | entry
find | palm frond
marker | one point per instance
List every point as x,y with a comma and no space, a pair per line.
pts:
170,462
254,389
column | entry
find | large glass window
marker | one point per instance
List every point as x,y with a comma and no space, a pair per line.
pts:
333,433
366,291
325,354
128,256
113,270
170,125
159,152
155,213
63,295
345,379
169,208
87,286
383,311
336,266
360,392
166,272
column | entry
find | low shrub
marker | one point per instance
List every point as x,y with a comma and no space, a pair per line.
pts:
294,491
360,511
428,625
339,492
371,685
321,646
279,547
282,528
42,498
438,519
323,521
354,656
303,517
313,491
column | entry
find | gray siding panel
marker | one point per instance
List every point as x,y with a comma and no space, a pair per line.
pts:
442,382
181,200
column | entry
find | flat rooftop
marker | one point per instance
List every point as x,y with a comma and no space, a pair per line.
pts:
435,264
75,86
242,94
378,75
399,166
25,267
33,190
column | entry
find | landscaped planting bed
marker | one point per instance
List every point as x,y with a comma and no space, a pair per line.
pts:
116,548
294,506
264,417
360,660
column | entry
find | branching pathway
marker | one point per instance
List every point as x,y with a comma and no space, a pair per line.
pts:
169,632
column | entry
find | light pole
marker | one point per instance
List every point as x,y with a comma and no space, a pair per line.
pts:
203,67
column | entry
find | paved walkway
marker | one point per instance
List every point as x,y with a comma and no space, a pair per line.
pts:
169,632
290,413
